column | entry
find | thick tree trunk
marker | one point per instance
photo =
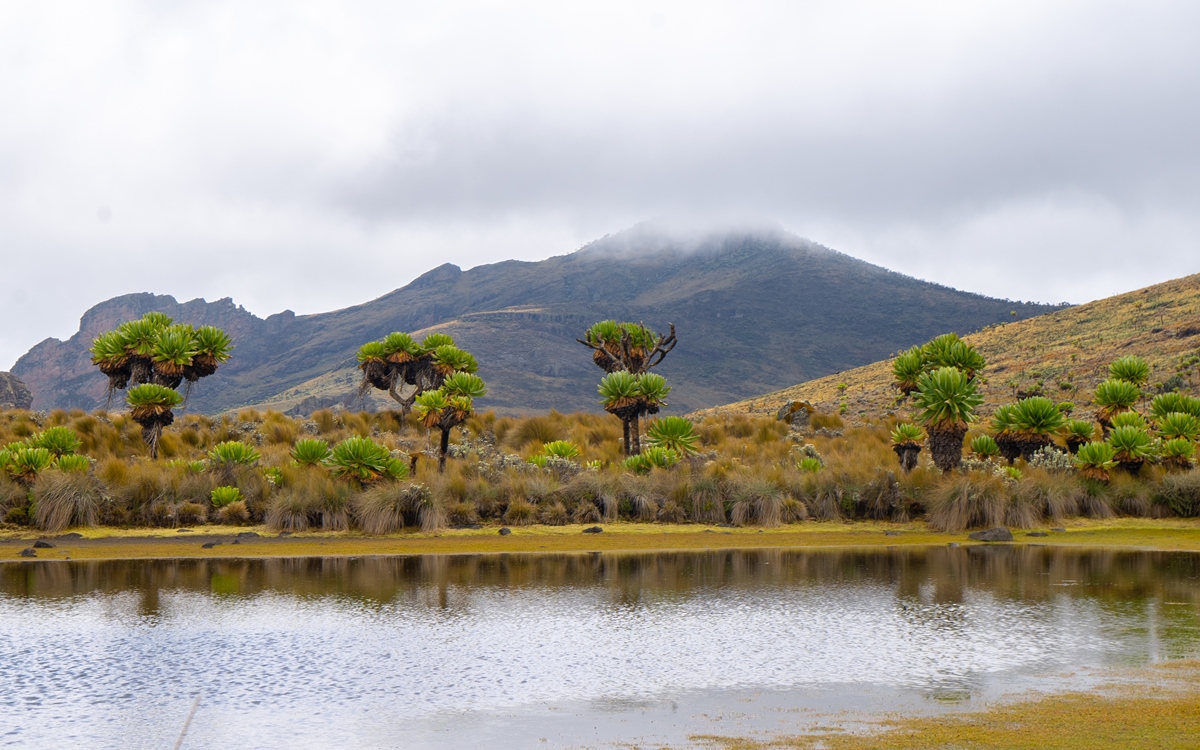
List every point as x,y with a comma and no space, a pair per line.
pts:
945,446
626,444
444,450
636,435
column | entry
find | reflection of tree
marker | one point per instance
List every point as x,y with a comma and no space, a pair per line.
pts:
929,583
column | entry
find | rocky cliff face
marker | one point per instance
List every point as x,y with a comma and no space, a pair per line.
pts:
13,392
755,311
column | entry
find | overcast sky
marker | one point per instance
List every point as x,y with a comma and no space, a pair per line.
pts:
312,156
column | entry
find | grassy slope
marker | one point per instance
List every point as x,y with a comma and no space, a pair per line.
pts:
1160,323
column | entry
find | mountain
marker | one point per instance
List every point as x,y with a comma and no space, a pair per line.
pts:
1063,355
755,310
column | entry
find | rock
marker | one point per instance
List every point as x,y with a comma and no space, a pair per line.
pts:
70,535
183,531
593,530
43,544
1037,533
997,534
1060,530
247,535
891,533
796,413
505,531
29,552
236,541
14,394
209,545
285,533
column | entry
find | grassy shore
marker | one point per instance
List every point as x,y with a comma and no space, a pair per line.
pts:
112,544
1152,708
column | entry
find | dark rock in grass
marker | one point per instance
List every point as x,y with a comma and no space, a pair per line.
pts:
593,530
1037,533
70,535
467,526
29,552
236,541
996,534
43,544
505,531
247,535
1060,530
183,531
285,533
891,533
209,545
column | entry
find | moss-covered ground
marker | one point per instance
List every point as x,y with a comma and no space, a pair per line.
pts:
109,543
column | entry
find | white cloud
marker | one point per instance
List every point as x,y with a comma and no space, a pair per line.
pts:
312,156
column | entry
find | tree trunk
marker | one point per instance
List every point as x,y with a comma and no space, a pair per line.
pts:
625,444
635,434
945,446
444,450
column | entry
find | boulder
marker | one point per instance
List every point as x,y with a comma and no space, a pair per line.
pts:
43,544
593,530
247,535
209,545
14,394
28,552
996,534
796,413
505,531
1037,533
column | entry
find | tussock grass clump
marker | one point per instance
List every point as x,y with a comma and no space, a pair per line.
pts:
65,499
970,500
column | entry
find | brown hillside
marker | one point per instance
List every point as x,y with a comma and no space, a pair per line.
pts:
1065,354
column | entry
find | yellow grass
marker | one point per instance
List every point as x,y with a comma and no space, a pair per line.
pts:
1154,708
107,543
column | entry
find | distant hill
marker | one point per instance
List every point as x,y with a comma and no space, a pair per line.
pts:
754,310
1064,355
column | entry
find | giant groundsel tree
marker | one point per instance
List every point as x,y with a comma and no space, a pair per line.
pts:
152,356
405,369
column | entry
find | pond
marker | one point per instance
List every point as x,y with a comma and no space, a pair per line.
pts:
560,650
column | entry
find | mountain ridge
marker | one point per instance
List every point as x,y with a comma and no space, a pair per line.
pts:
754,310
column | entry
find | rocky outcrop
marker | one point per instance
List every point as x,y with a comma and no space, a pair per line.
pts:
14,394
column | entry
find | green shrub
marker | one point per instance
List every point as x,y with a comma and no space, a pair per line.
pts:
1079,430
675,433
809,464
60,441
1131,369
234,452
71,463
1037,416
1095,459
1180,493
563,449
222,496
653,457
1130,419
1114,396
365,461
984,446
24,462
907,433
1130,444
1179,425
310,451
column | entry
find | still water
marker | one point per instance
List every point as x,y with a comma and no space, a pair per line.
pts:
560,651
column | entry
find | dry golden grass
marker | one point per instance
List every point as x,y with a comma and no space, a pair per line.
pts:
1071,347
1152,708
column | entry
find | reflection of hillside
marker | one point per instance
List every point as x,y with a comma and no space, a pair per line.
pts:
924,580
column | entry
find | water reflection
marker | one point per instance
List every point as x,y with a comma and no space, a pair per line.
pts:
345,651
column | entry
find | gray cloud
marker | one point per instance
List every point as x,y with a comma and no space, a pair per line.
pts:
313,157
